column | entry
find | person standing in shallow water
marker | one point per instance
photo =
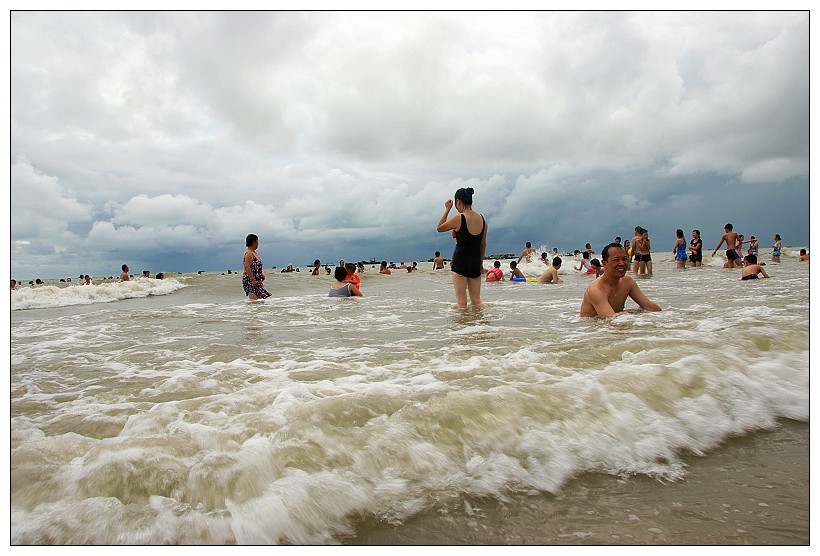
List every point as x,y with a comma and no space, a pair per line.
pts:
253,276
470,232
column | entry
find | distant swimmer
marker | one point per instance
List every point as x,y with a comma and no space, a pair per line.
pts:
606,295
696,249
550,276
14,284
526,253
636,258
730,237
253,276
352,277
754,246
495,274
124,276
316,264
776,249
382,269
438,262
341,287
586,264
470,232
752,269
679,249
515,272
804,257
643,248
595,265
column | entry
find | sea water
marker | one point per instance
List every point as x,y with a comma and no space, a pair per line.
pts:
177,412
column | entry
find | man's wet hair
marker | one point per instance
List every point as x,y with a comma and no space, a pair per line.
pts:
605,251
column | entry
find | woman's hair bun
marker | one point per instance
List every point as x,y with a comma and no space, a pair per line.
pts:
470,191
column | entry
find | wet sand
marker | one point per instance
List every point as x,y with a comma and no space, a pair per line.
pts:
752,490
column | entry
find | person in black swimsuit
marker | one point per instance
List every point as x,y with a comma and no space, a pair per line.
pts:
470,232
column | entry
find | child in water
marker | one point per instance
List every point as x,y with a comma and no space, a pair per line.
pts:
495,274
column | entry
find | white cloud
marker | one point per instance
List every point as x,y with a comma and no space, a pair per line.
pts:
40,206
629,201
192,129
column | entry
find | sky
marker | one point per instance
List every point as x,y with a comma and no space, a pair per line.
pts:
162,139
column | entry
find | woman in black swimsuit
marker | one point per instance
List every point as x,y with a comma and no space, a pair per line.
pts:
470,232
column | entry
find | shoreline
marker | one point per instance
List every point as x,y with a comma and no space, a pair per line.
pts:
751,490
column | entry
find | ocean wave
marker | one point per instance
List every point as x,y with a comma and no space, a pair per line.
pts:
46,297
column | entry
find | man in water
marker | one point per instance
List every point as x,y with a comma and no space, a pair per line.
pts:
526,253
550,276
752,269
438,262
606,295
124,276
730,237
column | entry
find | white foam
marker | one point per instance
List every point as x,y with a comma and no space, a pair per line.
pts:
54,296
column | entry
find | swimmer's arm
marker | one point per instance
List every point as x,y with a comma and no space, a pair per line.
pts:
445,225
454,223
719,244
763,272
640,298
354,290
600,302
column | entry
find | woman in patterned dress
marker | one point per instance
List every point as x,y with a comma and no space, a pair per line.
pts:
253,277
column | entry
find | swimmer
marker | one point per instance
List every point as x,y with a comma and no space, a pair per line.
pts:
253,276
679,249
515,272
645,263
586,265
124,276
467,266
752,269
636,256
495,274
753,246
776,249
730,237
316,264
342,287
352,277
804,256
606,295
550,276
595,265
438,262
526,253
382,269
696,248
